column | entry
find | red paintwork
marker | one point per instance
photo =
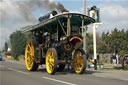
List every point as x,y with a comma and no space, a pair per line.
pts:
38,62
127,61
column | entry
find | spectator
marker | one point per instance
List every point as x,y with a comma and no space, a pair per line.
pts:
98,59
117,58
111,59
87,59
114,59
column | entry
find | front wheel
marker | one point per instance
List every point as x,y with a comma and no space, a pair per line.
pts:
79,61
31,65
51,61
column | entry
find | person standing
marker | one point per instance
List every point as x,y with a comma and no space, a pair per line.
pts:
117,58
87,59
114,59
98,59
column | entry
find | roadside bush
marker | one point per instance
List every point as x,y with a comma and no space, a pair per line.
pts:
18,43
8,53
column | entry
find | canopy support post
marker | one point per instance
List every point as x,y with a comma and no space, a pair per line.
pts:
68,26
62,27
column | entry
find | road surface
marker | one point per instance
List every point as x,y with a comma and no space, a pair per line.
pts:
15,73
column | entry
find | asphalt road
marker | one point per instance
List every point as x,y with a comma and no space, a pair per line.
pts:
15,73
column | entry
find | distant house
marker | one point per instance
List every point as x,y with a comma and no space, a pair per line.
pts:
9,49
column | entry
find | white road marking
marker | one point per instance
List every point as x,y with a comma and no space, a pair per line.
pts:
59,81
123,79
18,71
2,66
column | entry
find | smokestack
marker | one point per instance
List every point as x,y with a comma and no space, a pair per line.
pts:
47,16
65,11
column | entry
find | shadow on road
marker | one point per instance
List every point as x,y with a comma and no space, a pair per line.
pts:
68,71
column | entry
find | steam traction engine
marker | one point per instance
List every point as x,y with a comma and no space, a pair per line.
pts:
57,40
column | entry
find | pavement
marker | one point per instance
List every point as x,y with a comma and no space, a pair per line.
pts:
113,74
15,73
109,72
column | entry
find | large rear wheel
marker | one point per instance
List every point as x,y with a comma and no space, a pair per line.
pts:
51,61
31,65
79,61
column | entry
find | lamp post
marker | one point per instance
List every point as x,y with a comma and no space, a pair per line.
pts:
94,13
84,35
95,25
84,6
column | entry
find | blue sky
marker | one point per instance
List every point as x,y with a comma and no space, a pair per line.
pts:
114,13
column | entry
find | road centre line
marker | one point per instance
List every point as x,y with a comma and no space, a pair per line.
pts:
18,71
59,81
123,79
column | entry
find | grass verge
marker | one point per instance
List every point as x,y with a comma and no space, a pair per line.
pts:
121,68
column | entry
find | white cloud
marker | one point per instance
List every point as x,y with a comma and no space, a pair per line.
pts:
52,0
113,11
115,15
4,33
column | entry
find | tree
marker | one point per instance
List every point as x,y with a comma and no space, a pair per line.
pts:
18,42
116,41
102,47
89,43
6,46
28,35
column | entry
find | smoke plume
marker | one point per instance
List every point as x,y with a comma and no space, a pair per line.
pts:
25,8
